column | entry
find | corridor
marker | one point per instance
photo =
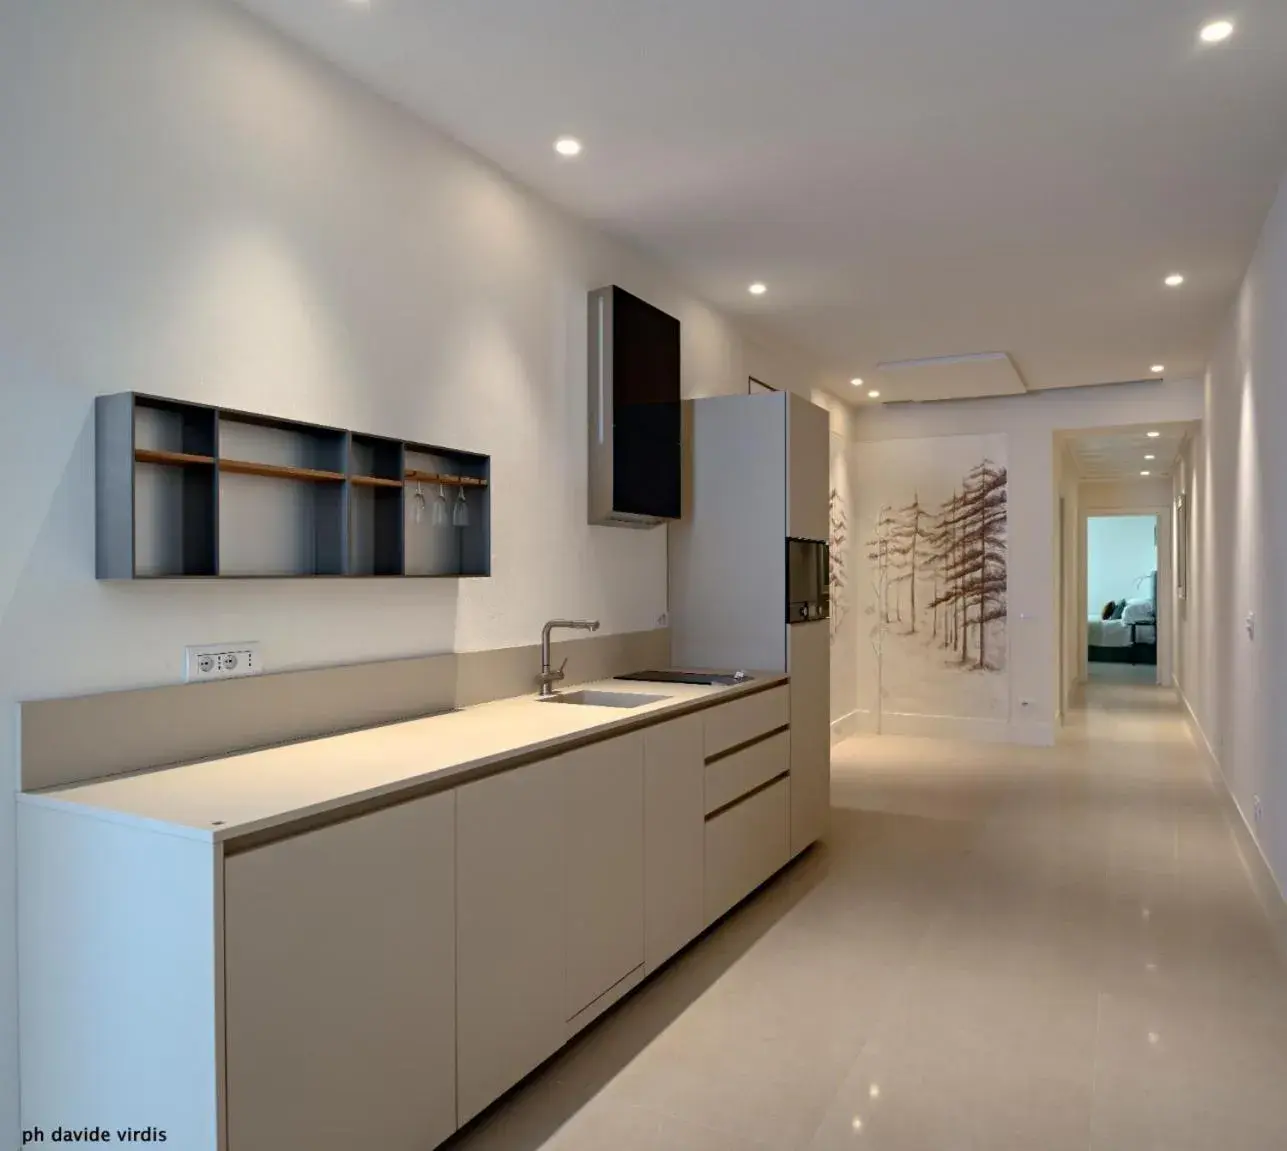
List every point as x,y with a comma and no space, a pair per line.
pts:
1000,949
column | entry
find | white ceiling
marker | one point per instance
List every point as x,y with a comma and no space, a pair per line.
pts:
911,178
1119,453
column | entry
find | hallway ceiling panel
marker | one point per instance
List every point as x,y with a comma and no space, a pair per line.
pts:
909,178
1122,453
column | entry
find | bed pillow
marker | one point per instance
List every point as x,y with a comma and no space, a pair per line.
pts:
1118,610
1138,611
1109,608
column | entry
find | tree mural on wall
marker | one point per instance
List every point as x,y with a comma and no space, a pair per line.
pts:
836,576
971,560
946,567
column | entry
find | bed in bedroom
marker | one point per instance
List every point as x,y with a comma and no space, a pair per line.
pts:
1129,635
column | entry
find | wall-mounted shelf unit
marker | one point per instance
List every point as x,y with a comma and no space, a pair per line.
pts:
185,490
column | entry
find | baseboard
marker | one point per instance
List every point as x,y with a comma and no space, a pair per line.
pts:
1268,890
847,726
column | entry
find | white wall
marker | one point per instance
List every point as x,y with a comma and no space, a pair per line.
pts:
1119,551
190,206
1236,477
1030,422
844,609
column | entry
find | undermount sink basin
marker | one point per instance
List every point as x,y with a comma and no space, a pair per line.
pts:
602,698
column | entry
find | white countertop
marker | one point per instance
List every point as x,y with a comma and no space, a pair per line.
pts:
220,799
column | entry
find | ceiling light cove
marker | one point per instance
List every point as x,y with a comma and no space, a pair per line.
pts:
1216,32
1174,280
757,289
567,146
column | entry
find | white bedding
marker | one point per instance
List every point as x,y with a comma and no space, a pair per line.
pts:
1108,633
1117,633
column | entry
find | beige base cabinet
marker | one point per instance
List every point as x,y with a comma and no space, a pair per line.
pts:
340,983
510,916
745,844
604,836
380,980
674,837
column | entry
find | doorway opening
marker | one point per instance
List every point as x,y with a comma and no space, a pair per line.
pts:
1122,597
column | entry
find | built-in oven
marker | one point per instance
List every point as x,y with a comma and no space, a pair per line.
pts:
808,576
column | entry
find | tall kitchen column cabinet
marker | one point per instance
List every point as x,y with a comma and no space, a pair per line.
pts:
340,984
759,477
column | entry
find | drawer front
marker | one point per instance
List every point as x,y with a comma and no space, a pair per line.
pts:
744,719
745,845
734,775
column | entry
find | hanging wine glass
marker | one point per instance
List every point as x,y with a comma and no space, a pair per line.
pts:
418,503
440,508
460,513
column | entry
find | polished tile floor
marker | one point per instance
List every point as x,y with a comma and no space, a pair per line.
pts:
999,949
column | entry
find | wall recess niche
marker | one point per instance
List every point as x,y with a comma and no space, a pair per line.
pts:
189,491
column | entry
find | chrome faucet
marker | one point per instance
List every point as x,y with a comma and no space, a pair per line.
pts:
550,677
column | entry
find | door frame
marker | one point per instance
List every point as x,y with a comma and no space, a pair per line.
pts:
1165,584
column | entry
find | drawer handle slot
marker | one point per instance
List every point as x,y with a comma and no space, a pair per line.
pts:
747,743
732,803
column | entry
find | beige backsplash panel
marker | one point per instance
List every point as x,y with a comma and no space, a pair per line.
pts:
68,741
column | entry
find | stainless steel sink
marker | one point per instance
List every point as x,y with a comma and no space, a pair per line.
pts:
602,698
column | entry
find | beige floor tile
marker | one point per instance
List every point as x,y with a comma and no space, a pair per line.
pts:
997,949
931,1093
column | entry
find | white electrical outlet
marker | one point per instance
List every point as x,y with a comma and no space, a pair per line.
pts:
221,661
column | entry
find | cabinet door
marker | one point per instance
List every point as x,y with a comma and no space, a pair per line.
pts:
605,867
674,837
809,661
745,845
808,465
339,965
509,929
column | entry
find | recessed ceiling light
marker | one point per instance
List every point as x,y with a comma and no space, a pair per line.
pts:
1146,473
567,146
1154,435
1216,31
757,289
1174,280
1150,457
1158,369
856,381
873,395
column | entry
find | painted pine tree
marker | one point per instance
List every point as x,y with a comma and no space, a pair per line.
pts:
972,553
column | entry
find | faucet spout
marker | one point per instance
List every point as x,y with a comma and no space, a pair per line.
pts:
549,677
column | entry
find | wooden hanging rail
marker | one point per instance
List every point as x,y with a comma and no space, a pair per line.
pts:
278,471
375,482
452,481
176,459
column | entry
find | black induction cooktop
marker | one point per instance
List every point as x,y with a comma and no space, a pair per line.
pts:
696,677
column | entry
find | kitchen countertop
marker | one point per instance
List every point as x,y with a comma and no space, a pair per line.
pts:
253,792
